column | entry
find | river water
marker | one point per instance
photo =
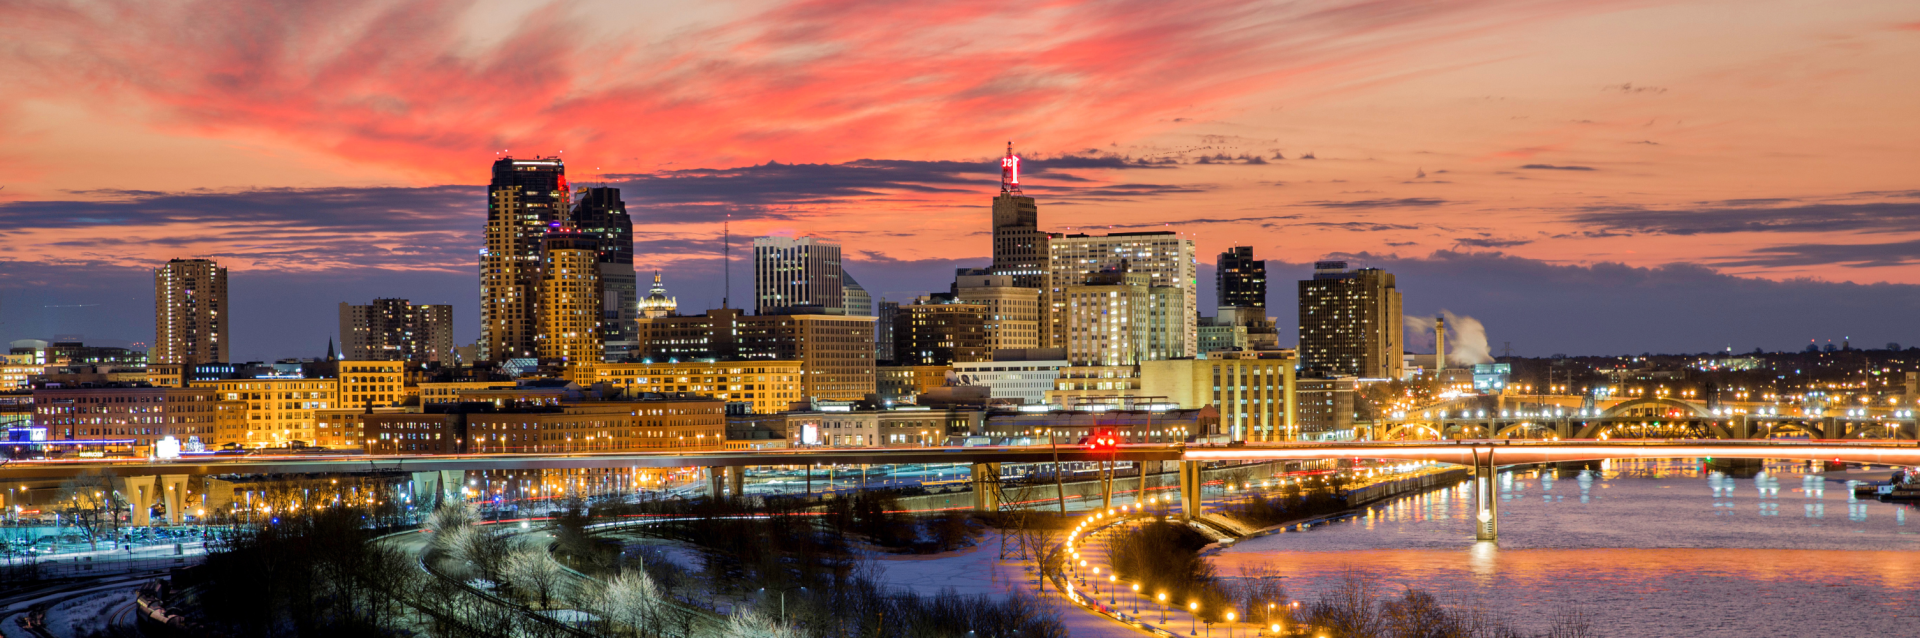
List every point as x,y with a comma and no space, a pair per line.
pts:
1650,548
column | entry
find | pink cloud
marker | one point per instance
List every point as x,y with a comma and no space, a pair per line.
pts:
402,85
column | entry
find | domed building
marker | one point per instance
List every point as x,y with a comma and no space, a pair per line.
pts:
657,304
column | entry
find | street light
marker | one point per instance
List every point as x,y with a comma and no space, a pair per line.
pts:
1163,608
1193,619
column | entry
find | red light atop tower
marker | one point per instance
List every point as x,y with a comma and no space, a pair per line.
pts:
1010,171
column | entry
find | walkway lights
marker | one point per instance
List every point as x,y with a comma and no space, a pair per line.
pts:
1163,608
1193,619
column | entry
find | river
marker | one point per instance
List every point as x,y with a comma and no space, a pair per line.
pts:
1650,548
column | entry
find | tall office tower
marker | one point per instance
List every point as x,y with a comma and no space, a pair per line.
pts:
1019,246
1240,281
1164,257
936,333
526,196
598,211
858,303
883,331
797,272
190,313
1120,318
1013,312
657,304
570,307
396,330
1350,322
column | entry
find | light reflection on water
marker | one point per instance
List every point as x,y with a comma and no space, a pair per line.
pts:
1652,547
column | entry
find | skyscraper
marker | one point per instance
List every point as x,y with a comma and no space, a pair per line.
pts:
523,199
396,330
570,307
1019,246
883,331
1240,281
190,313
797,272
936,333
599,212
1122,317
1165,258
1350,322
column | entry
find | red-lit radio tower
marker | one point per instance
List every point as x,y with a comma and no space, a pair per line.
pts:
1010,171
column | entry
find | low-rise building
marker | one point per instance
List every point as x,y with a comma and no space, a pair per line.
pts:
1155,423
1254,392
561,426
345,428
372,383
904,384
279,411
910,426
766,386
142,415
438,392
1325,407
1025,382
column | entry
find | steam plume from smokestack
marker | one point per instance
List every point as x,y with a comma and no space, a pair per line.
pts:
1466,338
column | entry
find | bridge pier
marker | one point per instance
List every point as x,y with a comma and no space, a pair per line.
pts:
714,488
986,487
1485,496
1189,489
737,481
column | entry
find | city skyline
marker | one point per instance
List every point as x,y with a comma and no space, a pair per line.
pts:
1515,163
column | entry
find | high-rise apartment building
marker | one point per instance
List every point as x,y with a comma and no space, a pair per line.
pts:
797,272
1165,258
936,333
1240,281
599,212
570,306
835,351
1013,311
524,199
1350,322
1121,318
396,330
190,313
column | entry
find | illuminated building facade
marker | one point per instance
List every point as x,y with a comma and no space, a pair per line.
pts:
766,386
1121,318
932,333
278,411
835,351
1165,258
396,330
139,414
1240,281
524,198
1350,322
190,312
1013,311
657,304
795,273
570,304
1254,393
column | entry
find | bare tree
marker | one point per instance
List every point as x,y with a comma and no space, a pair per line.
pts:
754,625
90,505
629,600
532,571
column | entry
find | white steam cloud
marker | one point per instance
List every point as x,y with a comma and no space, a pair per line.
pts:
1466,337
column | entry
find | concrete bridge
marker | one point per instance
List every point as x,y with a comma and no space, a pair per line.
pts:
1485,456
1662,417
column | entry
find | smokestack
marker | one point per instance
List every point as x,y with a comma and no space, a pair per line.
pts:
1439,343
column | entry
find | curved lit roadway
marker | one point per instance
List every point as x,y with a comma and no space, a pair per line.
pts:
1458,452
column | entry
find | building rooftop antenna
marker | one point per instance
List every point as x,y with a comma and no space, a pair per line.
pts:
726,255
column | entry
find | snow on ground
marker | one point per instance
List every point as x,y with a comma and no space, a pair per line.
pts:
980,570
84,616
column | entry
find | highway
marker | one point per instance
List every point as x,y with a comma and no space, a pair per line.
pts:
1462,452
